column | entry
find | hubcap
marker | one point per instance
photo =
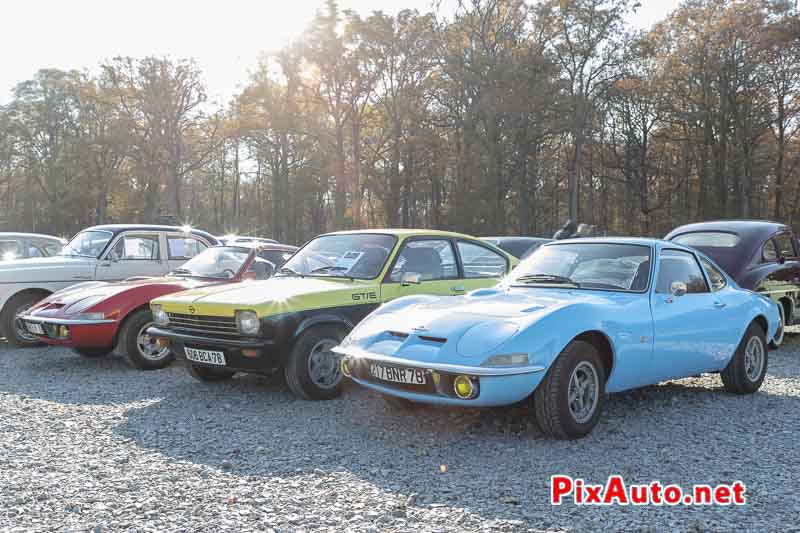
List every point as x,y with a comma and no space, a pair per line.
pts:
19,327
754,359
584,389
147,345
778,339
324,366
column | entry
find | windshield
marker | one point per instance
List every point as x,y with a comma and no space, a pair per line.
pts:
352,255
87,244
217,262
586,265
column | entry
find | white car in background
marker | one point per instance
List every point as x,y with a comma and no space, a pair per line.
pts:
25,245
97,254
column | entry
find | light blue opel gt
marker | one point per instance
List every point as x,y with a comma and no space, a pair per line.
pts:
576,320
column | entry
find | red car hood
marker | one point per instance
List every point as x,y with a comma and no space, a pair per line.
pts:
137,292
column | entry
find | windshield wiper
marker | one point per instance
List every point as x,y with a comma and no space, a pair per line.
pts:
546,278
181,271
331,268
290,272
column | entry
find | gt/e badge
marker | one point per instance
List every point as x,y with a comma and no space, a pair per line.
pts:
361,296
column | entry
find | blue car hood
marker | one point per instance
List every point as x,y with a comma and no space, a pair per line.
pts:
470,325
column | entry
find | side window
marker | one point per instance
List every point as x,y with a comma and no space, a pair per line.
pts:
136,248
184,247
10,250
679,266
480,262
784,245
716,277
432,259
769,253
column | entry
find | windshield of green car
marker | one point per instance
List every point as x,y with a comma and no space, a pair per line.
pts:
221,262
350,255
87,243
605,266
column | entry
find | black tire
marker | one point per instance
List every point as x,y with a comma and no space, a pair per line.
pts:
92,353
401,404
8,321
205,373
298,373
776,342
129,342
551,404
739,376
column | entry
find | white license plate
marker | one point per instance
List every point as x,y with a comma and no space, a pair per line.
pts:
409,376
208,357
34,328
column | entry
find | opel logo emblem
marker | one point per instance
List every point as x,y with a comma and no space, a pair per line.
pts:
192,309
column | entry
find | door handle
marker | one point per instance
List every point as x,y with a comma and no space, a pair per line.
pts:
81,277
719,305
458,288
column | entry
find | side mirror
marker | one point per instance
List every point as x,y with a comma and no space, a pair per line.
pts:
410,278
678,289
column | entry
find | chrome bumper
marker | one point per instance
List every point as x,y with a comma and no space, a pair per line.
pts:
440,367
64,321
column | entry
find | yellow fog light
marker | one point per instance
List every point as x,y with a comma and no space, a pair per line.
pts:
63,332
464,387
436,377
346,370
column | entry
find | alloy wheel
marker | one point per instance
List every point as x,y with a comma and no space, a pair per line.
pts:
583,392
324,366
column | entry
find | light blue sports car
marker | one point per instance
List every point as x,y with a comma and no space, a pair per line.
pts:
576,320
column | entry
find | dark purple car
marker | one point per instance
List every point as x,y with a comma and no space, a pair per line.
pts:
761,256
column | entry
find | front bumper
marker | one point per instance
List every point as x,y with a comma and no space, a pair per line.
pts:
267,358
496,385
82,333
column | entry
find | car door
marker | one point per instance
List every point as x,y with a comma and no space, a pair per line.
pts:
432,261
784,280
132,254
481,266
688,319
181,248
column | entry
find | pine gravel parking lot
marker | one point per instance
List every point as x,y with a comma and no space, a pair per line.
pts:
96,445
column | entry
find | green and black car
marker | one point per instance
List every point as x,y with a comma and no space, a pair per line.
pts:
293,320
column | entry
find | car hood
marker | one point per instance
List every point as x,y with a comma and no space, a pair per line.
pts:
470,325
273,296
55,268
58,304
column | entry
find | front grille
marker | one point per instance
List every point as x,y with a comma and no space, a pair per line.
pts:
210,325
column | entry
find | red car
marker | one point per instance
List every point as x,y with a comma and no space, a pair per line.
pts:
96,317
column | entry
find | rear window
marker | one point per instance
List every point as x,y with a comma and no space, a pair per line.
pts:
712,239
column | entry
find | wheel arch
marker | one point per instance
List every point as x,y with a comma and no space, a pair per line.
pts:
44,293
331,319
602,343
123,321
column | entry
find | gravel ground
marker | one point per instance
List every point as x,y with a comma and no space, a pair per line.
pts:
96,445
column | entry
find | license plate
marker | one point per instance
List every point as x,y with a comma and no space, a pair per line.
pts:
208,357
409,376
34,328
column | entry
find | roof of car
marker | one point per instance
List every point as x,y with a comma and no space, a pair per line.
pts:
641,241
747,229
517,238
261,246
7,234
117,228
404,232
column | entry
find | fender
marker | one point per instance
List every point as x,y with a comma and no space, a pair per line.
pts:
324,318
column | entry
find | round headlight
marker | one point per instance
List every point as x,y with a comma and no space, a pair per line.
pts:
464,387
160,317
247,322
